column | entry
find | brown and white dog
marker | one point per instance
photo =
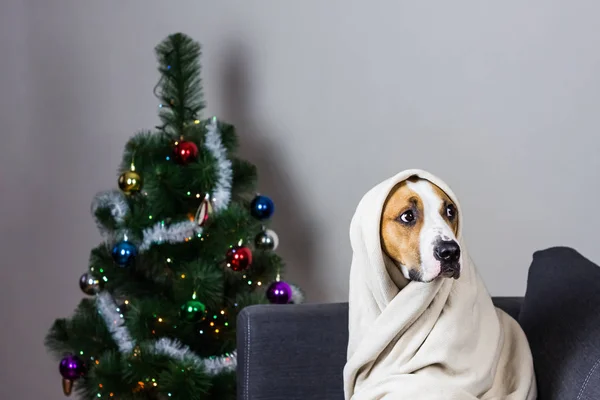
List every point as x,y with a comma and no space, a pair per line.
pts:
419,224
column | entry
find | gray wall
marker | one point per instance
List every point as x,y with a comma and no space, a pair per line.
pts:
329,97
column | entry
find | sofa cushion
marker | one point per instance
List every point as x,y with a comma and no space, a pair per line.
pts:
561,317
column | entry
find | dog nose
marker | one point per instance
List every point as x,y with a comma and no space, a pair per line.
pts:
447,251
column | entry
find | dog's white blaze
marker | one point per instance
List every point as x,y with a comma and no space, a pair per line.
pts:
434,227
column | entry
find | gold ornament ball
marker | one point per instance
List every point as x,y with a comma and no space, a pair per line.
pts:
130,182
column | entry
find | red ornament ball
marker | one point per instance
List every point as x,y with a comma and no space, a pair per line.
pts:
239,258
185,152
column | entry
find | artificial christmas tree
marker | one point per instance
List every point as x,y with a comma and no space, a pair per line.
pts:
185,248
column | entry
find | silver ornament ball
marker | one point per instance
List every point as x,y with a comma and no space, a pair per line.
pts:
266,240
88,284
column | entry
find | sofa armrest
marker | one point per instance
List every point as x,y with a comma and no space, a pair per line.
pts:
292,352
561,317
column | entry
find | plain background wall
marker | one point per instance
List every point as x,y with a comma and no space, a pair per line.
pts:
329,97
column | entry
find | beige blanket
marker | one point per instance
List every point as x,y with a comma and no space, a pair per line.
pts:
442,340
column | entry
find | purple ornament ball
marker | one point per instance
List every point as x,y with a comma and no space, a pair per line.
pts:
279,293
71,367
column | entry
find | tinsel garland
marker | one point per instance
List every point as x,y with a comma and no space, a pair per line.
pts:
116,325
297,294
212,365
174,233
116,202
222,192
180,231
114,322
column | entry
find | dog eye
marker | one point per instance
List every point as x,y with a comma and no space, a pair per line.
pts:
407,217
450,211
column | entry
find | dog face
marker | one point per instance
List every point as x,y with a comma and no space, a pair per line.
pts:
418,231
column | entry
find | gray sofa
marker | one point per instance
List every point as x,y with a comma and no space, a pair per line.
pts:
298,351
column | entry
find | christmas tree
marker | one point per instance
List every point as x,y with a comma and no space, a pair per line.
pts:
185,247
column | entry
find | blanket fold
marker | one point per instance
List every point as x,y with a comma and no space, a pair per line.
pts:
442,340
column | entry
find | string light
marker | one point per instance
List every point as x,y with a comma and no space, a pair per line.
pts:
197,121
259,283
149,216
169,260
182,276
197,195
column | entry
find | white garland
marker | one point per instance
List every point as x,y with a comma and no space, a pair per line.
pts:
113,200
172,348
222,192
220,198
213,366
174,233
297,294
114,322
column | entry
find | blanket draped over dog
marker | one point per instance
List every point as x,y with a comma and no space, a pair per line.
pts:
442,340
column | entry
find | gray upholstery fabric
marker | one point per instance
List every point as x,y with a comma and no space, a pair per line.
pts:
292,351
561,317
299,351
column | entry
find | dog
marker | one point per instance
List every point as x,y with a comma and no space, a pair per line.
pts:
418,230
